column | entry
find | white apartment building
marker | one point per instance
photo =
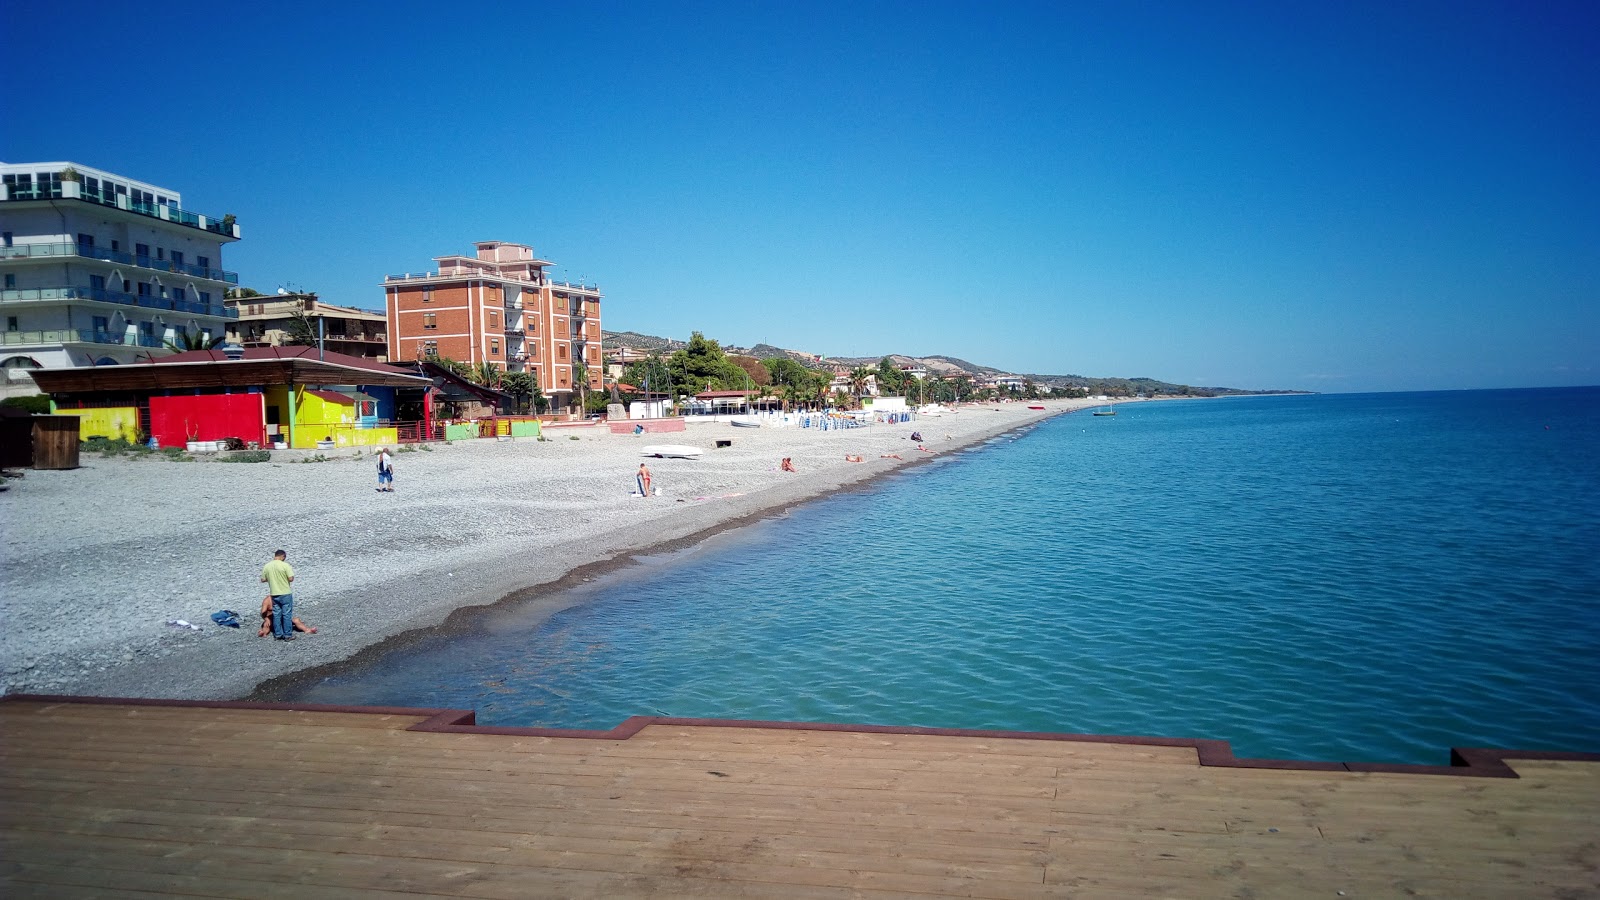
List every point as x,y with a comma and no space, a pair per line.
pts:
100,269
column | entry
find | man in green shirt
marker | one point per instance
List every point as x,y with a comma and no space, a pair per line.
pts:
277,576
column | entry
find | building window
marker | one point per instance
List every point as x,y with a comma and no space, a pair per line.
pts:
11,324
101,325
177,257
6,237
203,262
533,351
97,286
177,294
142,251
430,320
161,253
11,280
205,297
533,325
144,288
561,351
147,329
427,295
494,347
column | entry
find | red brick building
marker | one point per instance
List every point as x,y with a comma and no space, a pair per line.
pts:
499,307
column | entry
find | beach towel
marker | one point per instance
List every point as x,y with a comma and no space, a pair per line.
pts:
226,617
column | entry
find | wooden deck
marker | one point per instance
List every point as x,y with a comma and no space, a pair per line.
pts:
101,799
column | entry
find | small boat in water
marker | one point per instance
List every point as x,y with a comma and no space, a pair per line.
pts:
1108,411
672,451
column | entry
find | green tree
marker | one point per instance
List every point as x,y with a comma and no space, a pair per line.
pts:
858,381
487,374
784,371
891,381
299,332
580,380
519,385
650,375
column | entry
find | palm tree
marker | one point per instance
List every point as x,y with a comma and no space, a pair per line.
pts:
580,380
858,380
518,385
201,341
488,374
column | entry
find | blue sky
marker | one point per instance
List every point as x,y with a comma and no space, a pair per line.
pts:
1350,197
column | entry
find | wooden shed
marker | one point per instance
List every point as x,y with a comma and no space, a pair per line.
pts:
55,442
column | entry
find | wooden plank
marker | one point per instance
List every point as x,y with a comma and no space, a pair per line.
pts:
180,794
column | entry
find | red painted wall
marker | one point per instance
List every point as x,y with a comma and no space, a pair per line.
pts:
174,421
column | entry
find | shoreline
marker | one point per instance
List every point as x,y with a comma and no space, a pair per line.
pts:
473,526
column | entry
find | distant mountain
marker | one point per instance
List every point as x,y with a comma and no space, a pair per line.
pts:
943,366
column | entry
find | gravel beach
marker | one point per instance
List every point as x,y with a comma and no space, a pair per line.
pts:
98,560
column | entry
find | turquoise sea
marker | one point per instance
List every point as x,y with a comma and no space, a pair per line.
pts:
1372,577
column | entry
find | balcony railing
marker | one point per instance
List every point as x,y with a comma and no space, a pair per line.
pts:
74,190
53,251
101,295
80,336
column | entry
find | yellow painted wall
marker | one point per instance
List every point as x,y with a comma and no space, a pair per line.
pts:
317,419
114,422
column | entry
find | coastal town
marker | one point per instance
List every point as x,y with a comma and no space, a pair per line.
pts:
489,381
119,311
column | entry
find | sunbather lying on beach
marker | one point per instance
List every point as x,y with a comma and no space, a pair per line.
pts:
266,621
852,458
888,456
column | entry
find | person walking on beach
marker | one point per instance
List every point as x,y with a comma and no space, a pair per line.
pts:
278,577
385,470
644,480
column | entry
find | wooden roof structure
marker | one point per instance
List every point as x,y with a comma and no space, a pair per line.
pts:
255,367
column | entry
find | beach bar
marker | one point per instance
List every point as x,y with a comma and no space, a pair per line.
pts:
296,397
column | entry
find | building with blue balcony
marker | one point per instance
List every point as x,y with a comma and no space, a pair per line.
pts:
99,269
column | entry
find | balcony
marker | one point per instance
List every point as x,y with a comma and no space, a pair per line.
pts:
79,336
56,251
74,190
100,295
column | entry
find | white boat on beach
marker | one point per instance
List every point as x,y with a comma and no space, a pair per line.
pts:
749,422
672,451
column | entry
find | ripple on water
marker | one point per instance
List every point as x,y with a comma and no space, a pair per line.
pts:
1359,578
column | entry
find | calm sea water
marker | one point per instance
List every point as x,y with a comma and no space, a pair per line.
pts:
1344,577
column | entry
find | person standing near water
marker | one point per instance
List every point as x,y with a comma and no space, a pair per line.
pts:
385,470
644,480
278,576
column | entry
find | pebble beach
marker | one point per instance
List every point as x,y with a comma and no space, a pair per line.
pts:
100,561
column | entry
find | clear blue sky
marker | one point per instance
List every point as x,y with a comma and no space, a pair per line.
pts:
1339,197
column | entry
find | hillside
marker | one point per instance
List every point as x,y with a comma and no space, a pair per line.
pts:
943,366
